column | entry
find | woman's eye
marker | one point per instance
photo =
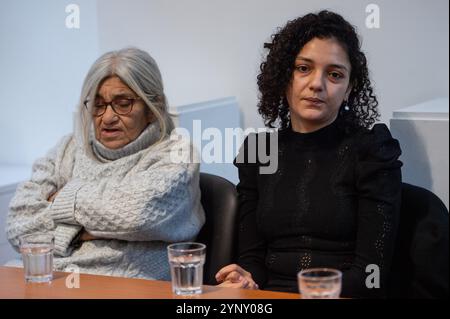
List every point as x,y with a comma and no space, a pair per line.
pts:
302,68
122,102
336,75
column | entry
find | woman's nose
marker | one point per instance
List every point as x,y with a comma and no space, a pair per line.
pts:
109,116
316,82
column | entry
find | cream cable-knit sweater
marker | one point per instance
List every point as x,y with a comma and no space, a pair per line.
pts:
137,203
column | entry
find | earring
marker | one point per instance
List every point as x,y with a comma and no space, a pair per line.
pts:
346,107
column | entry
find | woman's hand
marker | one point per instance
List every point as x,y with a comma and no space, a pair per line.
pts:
85,236
52,197
234,276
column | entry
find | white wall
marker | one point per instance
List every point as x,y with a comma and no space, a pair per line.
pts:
43,64
209,49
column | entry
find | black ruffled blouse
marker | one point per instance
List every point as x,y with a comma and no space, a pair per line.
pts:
333,202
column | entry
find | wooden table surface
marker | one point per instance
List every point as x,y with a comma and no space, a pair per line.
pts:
13,285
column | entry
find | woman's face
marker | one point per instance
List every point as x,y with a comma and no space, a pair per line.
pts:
113,130
319,84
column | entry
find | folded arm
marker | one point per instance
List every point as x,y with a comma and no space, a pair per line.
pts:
29,210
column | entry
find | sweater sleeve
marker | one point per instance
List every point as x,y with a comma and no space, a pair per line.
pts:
252,246
29,208
379,189
158,202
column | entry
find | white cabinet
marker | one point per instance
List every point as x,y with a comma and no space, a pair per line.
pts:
10,176
213,127
423,133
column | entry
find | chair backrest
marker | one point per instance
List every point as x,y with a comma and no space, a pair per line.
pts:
421,258
219,200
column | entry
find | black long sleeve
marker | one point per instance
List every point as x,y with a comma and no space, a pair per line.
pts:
333,202
378,185
252,246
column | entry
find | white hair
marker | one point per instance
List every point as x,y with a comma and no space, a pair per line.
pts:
138,70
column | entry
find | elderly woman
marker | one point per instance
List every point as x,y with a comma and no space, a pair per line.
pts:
110,193
334,200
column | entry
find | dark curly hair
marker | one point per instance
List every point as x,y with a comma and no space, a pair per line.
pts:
276,70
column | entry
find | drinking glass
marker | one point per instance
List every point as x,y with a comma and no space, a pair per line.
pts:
37,256
320,283
186,267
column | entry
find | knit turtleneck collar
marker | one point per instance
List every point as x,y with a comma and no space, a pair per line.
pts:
148,137
325,135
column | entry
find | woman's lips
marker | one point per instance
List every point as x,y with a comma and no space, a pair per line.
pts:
110,132
314,101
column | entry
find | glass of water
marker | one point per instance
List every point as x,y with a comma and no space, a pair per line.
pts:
37,256
186,267
320,283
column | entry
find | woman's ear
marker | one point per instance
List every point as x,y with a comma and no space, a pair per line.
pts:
347,93
149,115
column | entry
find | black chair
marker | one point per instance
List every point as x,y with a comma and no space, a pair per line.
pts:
420,265
219,200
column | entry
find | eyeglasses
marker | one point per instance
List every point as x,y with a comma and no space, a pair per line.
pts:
120,105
